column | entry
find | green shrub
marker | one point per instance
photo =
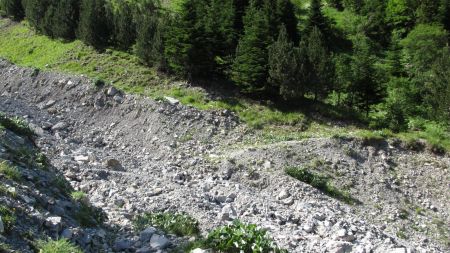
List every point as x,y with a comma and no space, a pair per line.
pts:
8,217
59,246
9,171
321,183
89,216
240,237
78,196
17,125
175,223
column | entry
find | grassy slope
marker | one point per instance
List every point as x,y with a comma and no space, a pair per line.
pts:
19,44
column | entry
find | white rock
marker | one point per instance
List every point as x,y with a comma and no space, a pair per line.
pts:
2,227
172,100
81,158
198,250
59,126
284,194
159,242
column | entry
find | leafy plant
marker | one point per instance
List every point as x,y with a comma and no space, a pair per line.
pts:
176,223
8,217
16,124
89,216
241,237
59,246
10,171
320,182
78,196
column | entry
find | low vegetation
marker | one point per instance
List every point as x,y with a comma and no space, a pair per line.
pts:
16,124
321,183
87,214
58,246
237,237
9,171
8,217
174,223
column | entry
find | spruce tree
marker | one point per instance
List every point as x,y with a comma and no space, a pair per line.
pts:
93,27
35,11
320,63
317,20
249,70
149,42
283,67
13,8
285,12
124,31
365,89
64,19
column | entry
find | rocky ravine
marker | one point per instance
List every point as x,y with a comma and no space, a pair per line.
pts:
173,157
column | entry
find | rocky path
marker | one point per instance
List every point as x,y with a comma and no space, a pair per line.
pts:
133,155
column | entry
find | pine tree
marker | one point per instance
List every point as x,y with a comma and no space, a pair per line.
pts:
316,20
35,11
438,95
124,32
64,18
365,89
240,6
249,69
93,27
149,42
285,12
186,46
13,8
320,63
283,67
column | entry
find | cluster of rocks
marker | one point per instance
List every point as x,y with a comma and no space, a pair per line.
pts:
132,155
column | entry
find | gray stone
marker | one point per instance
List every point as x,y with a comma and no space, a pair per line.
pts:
54,223
144,250
60,126
147,234
159,242
67,233
111,91
122,244
2,227
113,164
227,213
172,100
50,103
284,194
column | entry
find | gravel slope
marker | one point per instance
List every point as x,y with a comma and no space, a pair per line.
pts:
174,157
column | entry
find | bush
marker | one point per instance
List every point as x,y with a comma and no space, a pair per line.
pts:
13,8
174,223
8,217
240,237
59,246
320,182
16,124
9,171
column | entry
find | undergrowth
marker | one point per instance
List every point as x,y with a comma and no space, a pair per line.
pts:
10,171
321,183
16,124
58,246
174,223
237,237
8,217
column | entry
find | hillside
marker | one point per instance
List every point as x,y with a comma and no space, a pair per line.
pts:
133,155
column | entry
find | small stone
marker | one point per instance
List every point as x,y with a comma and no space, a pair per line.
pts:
289,201
284,194
113,164
60,126
50,103
122,245
28,200
147,234
227,213
2,227
198,250
159,242
67,233
308,228
398,250
111,91
81,158
53,223
172,100
144,250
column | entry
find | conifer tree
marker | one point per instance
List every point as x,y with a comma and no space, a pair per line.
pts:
124,31
283,67
13,8
317,20
240,6
149,42
320,63
93,28
285,12
63,18
35,11
249,69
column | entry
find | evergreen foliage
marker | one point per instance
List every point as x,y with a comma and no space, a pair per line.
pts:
13,8
124,26
93,27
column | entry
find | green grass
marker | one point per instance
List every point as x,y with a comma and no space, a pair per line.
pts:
58,246
174,223
10,172
89,216
237,237
8,217
6,192
62,185
15,124
321,183
78,196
